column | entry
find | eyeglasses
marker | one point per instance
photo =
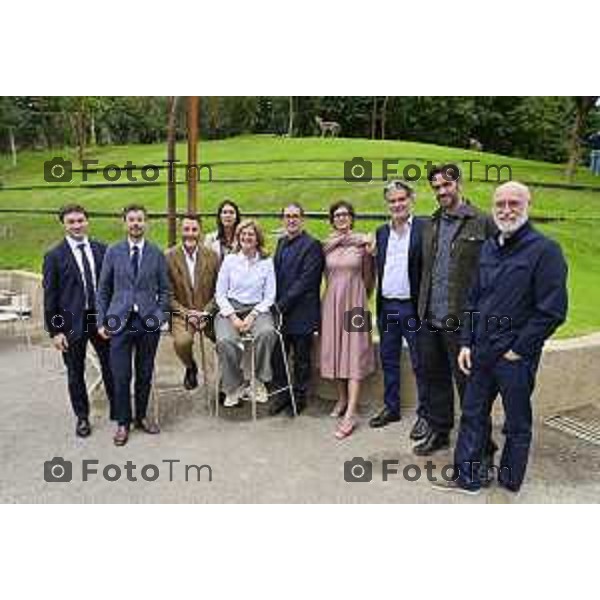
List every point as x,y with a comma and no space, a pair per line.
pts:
290,217
339,215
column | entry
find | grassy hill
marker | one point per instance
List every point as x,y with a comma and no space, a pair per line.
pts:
278,169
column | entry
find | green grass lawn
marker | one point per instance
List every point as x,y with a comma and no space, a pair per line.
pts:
23,239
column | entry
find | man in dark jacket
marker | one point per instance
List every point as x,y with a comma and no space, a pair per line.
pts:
70,279
518,300
452,242
398,258
299,265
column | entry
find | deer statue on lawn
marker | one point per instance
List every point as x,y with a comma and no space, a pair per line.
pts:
331,127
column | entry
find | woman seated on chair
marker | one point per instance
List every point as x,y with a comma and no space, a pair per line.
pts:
245,294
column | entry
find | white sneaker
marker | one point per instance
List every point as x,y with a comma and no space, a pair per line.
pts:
262,395
233,399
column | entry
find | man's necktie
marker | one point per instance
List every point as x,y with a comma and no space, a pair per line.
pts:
135,261
90,294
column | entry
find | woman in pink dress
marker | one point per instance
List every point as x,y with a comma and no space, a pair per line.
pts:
347,353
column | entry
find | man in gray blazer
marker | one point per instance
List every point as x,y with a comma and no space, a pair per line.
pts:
132,301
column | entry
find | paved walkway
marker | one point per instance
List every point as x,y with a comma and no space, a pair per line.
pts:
276,460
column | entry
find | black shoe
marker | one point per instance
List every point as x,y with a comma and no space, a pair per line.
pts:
420,430
385,417
300,406
279,405
83,428
432,443
190,381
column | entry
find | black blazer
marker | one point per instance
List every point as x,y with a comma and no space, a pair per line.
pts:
299,283
64,296
414,259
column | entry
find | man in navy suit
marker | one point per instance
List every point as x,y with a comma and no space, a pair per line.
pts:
398,256
133,299
298,264
70,281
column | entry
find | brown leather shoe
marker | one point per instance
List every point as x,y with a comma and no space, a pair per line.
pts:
147,426
121,435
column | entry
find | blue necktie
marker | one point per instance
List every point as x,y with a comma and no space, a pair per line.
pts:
90,295
135,261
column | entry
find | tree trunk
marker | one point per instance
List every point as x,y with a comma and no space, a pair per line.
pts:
374,118
13,146
584,105
384,116
291,118
92,130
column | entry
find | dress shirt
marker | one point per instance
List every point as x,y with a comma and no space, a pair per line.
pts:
247,280
396,283
74,245
190,261
140,246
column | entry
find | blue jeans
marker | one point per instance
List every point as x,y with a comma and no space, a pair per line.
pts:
396,319
514,380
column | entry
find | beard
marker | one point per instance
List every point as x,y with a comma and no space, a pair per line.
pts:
510,228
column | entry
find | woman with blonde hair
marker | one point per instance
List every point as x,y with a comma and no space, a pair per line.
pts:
245,293
347,353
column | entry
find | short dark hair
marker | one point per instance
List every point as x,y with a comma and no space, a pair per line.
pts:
341,204
450,172
294,204
192,217
70,208
238,217
397,184
134,207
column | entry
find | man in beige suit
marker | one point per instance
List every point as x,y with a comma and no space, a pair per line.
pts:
192,272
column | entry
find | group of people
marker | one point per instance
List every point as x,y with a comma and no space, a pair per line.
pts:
473,296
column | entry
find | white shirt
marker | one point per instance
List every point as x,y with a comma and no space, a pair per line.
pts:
190,261
74,245
249,281
396,283
140,245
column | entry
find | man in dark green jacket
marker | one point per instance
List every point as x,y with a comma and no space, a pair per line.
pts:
452,242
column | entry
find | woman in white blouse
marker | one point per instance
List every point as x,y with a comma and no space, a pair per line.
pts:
221,241
245,294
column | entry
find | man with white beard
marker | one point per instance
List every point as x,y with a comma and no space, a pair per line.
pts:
518,300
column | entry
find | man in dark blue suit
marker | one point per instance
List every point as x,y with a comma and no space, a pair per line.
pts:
398,256
298,264
133,299
70,281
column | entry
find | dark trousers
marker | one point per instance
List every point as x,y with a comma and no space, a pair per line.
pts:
74,359
137,343
300,346
396,320
438,352
515,381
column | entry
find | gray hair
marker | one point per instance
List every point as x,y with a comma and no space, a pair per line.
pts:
398,184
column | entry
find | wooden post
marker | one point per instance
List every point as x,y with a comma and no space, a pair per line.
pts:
172,175
192,164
